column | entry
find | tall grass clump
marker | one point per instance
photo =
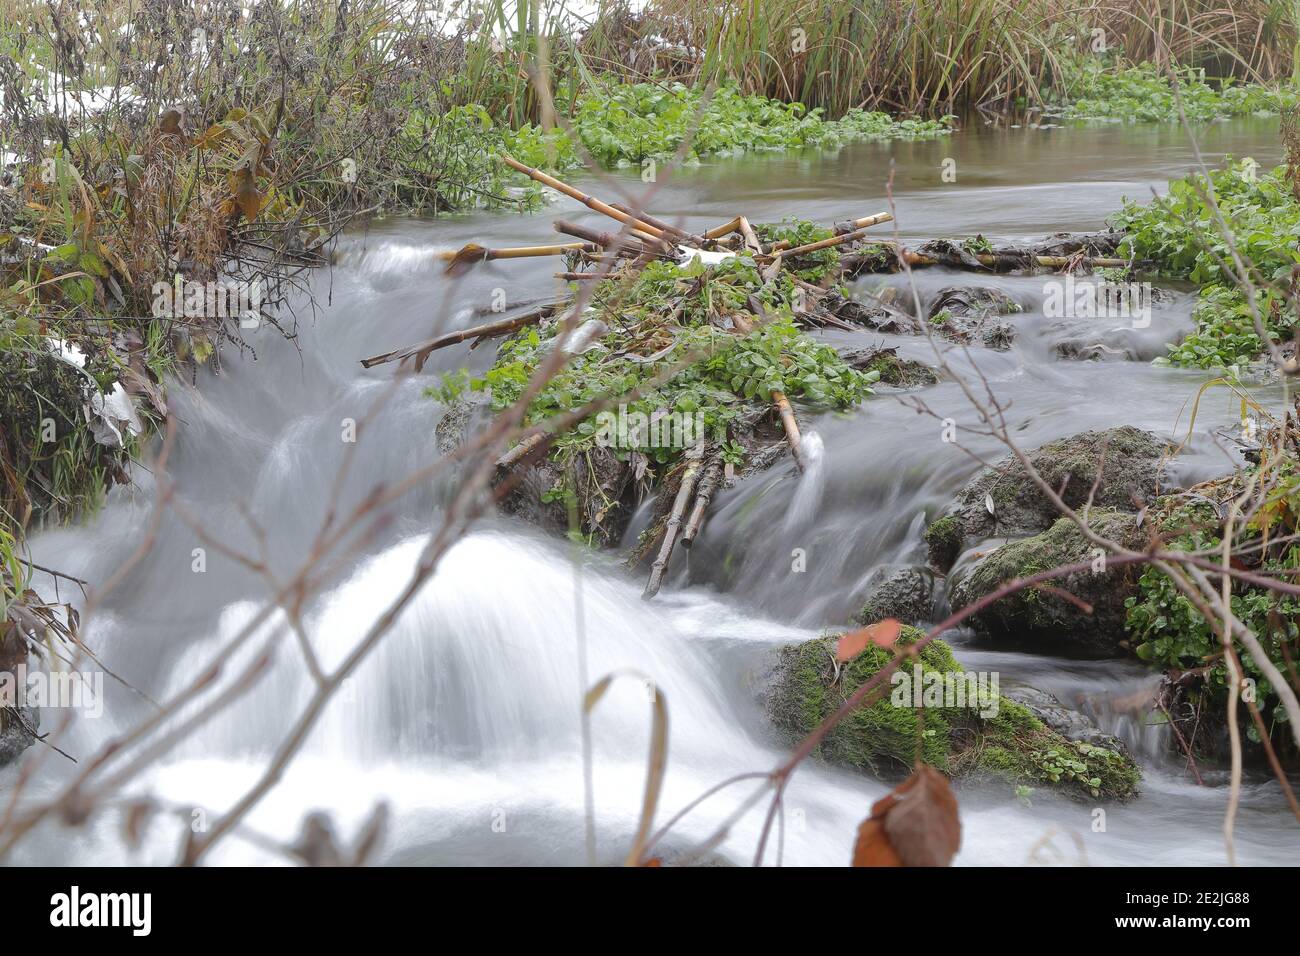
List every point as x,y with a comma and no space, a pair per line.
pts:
936,57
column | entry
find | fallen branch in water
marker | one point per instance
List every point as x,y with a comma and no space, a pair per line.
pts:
639,245
674,522
712,475
717,232
1012,261
472,254
670,231
488,330
591,202
858,231
523,449
751,237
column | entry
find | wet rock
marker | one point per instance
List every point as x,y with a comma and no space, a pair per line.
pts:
1103,244
906,594
987,736
1129,459
18,724
459,418
16,727
1039,618
1066,721
943,542
883,313
971,315
895,371
603,486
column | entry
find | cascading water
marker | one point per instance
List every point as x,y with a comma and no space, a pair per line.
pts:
466,718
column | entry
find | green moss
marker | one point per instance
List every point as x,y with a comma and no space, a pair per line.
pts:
1033,615
887,737
943,540
1017,745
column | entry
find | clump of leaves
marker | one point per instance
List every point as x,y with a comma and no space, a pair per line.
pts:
1181,235
1070,765
1169,632
667,313
1097,89
623,124
812,266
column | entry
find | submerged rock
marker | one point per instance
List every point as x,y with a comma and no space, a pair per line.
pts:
906,594
1038,617
971,315
895,371
967,730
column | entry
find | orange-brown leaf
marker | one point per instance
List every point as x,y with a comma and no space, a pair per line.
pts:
915,825
923,826
873,847
882,634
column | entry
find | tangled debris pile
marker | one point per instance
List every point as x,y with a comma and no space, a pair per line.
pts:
684,356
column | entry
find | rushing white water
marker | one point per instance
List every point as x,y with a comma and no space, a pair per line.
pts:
466,718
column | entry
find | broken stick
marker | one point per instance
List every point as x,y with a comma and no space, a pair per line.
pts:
421,351
591,202
674,522
524,449
670,231
791,425
472,254
712,474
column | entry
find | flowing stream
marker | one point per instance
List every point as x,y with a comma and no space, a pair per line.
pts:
466,718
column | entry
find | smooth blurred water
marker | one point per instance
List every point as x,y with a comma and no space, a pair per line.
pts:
466,718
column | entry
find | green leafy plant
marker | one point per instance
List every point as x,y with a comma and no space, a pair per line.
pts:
1169,631
1097,89
1181,235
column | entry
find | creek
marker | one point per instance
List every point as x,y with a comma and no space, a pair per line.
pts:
466,718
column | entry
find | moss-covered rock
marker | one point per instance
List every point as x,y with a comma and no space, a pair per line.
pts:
893,370
1130,461
1038,617
990,736
943,542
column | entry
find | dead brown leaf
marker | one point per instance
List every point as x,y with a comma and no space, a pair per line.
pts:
916,825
